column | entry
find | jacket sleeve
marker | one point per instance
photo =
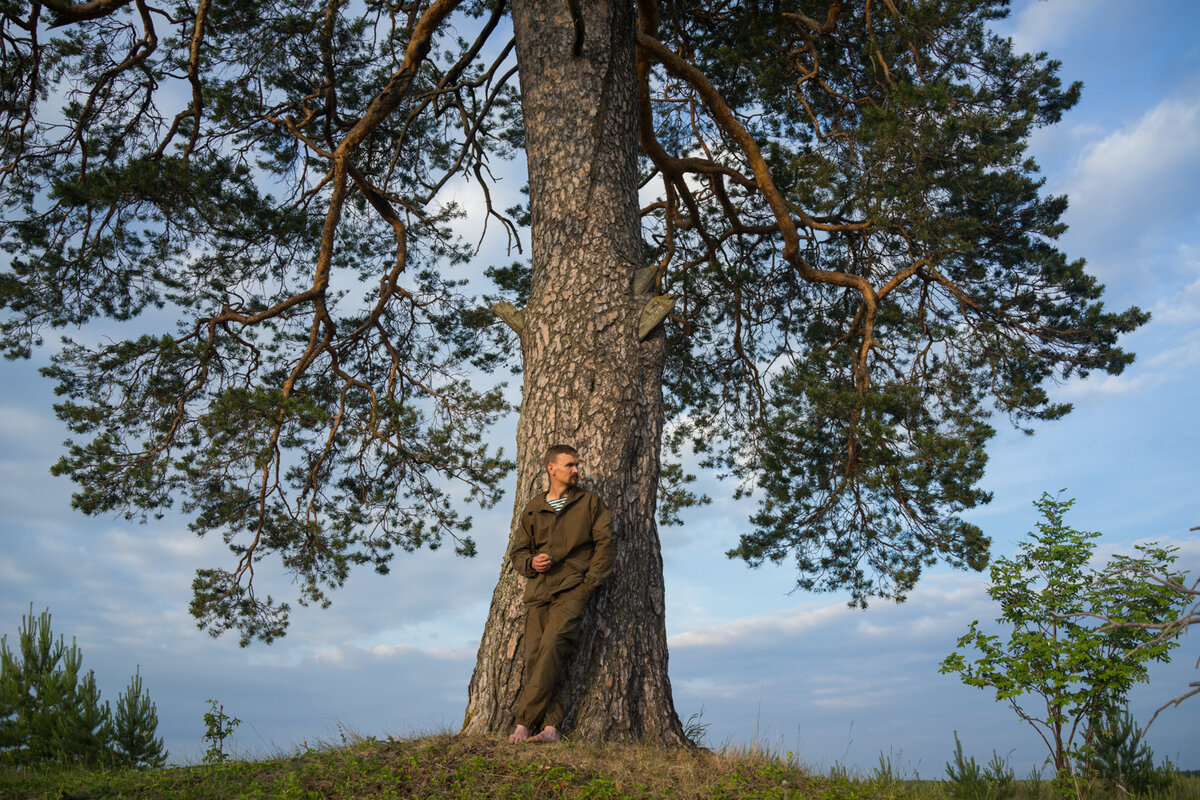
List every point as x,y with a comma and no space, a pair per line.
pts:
604,552
520,552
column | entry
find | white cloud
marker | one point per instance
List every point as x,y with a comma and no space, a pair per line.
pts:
789,622
1168,348
148,549
402,650
1188,550
1184,354
354,657
1040,24
20,424
1100,386
1153,147
1182,307
932,608
850,697
708,687
1138,181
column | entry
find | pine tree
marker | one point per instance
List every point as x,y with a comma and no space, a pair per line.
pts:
134,726
39,679
1120,755
847,266
82,723
50,710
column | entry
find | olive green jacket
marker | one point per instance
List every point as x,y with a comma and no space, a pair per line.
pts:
578,539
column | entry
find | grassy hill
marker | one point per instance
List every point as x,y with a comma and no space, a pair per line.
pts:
451,767
483,767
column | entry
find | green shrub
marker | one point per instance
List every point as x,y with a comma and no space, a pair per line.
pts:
966,777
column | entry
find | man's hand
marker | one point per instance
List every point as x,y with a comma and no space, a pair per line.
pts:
541,562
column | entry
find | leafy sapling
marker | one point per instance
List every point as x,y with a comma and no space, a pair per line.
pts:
1058,666
218,726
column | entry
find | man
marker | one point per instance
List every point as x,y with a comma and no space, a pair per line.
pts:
564,548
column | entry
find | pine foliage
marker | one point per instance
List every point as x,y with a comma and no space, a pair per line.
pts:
50,710
134,726
1121,757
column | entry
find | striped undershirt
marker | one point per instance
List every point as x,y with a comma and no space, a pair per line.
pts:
557,504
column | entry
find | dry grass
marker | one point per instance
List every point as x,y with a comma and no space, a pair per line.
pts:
655,771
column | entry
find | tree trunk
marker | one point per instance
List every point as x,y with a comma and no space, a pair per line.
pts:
589,381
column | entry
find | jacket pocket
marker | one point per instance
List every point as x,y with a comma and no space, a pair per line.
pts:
569,575
535,591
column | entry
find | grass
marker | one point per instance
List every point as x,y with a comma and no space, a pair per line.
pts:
446,766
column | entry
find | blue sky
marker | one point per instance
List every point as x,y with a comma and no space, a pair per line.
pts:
794,671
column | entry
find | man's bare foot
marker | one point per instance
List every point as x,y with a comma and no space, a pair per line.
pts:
521,734
549,735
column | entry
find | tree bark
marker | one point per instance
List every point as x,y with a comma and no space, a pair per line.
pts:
589,381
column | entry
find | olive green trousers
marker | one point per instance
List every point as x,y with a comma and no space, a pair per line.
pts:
551,631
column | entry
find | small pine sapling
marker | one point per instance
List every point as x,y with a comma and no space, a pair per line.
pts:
966,778
134,726
1120,756
48,710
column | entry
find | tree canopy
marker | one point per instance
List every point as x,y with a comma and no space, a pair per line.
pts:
838,201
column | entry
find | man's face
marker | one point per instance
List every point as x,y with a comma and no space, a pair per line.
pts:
565,469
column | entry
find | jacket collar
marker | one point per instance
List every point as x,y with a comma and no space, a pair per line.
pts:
541,504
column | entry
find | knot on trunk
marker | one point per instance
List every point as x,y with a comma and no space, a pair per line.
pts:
512,316
654,312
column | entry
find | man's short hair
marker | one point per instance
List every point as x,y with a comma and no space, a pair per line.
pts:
556,450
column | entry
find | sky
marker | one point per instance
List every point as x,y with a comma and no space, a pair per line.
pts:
758,663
